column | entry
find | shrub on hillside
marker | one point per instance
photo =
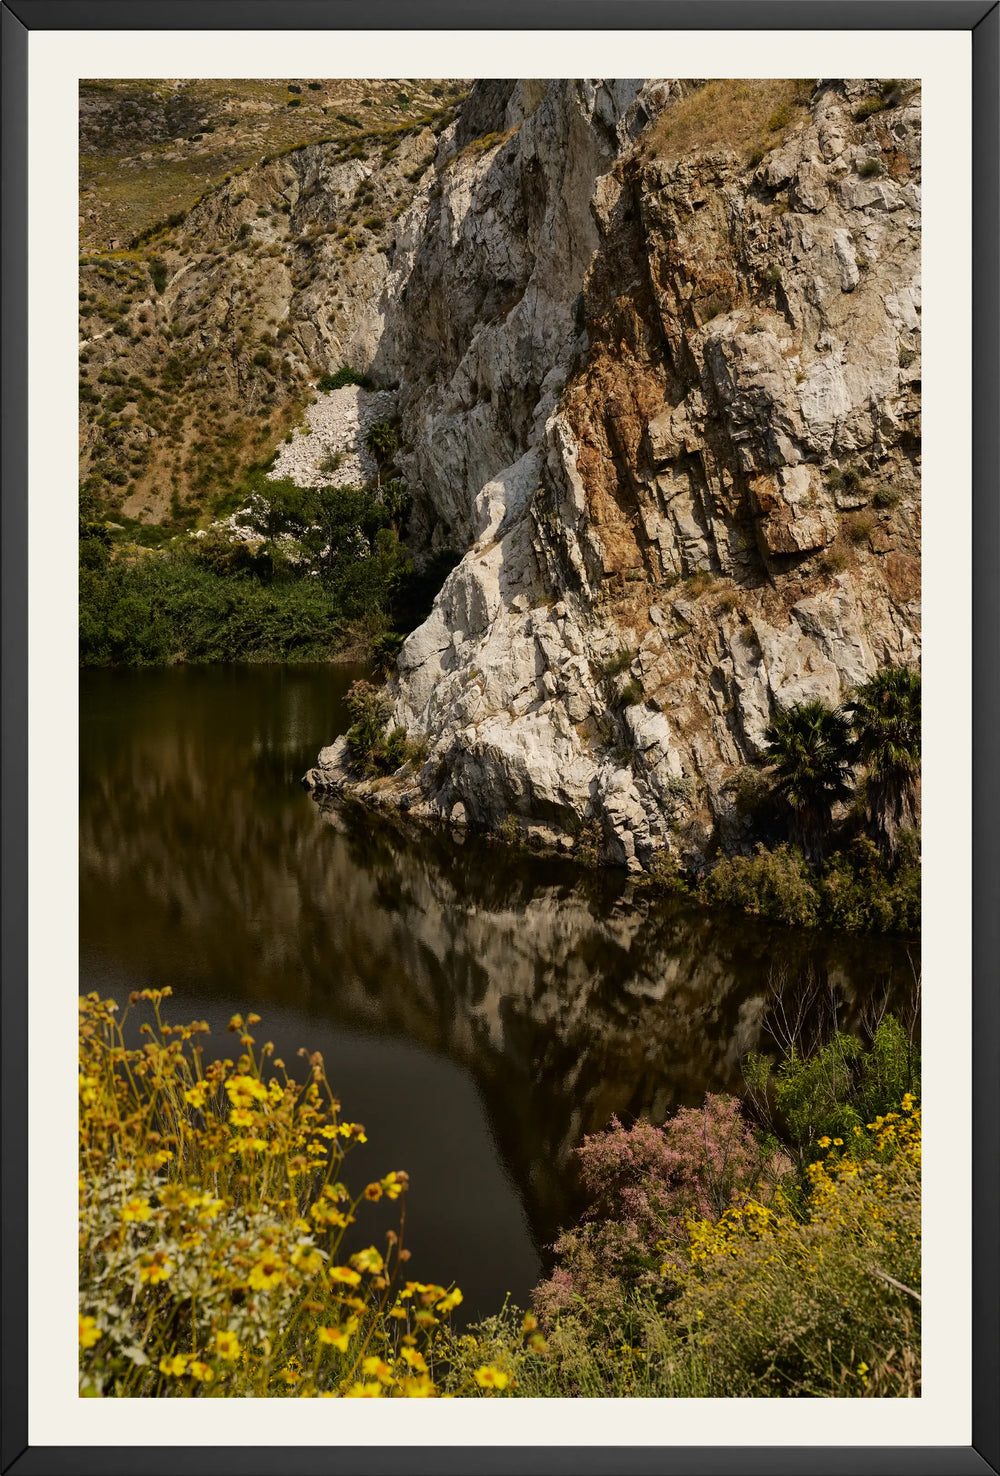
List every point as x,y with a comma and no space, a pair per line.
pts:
343,376
832,1093
861,892
821,1303
166,607
643,1184
712,1264
374,751
777,885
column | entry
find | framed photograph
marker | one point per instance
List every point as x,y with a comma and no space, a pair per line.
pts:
535,951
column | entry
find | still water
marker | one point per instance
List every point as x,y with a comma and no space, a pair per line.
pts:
478,1011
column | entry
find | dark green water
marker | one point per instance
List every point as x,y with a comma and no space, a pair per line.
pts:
478,1011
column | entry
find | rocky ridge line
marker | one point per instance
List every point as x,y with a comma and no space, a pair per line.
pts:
671,410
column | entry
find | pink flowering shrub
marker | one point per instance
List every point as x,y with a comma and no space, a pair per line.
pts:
644,1184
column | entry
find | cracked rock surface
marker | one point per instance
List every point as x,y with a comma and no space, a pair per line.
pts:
669,409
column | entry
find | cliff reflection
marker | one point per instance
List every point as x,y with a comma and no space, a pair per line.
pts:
563,998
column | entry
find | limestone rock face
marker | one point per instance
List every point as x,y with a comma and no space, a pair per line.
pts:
668,412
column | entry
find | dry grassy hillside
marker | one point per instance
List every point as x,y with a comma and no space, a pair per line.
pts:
150,147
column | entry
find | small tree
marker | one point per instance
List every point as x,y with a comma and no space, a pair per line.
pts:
885,716
382,443
810,748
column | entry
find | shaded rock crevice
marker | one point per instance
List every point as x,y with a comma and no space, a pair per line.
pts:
670,409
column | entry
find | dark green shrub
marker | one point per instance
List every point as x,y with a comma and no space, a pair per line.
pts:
344,376
373,751
860,528
618,663
777,885
837,1090
862,893
384,652
176,606
630,693
867,108
751,791
382,441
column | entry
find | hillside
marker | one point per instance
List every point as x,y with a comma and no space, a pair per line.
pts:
648,354
225,266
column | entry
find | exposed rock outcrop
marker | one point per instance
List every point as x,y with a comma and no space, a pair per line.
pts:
669,406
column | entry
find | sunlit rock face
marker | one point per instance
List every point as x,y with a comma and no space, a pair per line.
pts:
667,409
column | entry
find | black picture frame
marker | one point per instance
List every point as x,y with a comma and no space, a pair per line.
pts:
981,18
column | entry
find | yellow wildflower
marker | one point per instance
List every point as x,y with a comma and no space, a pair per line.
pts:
267,1273
417,1388
174,1366
452,1300
375,1366
243,1090
90,1333
201,1371
489,1377
227,1345
337,1337
345,1274
324,1214
307,1259
155,1268
368,1260
364,1391
415,1359
136,1209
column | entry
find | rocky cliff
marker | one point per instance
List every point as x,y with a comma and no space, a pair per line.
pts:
201,344
659,380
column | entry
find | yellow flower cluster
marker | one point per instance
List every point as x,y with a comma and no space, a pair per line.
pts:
212,1212
758,1282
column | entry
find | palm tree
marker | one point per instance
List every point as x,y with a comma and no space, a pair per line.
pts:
810,748
885,716
381,443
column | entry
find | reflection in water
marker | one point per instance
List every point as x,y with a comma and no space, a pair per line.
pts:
478,1011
